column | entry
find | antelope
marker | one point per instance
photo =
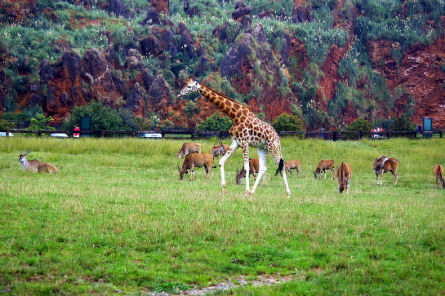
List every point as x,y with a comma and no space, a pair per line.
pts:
438,172
324,165
189,148
254,168
384,164
344,174
291,164
36,166
219,150
196,160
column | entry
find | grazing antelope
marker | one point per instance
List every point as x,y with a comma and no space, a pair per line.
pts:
324,165
344,174
36,166
384,164
196,160
438,172
219,150
254,168
189,148
291,164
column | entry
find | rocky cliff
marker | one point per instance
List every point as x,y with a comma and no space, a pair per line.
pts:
271,68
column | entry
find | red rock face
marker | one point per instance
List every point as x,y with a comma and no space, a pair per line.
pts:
330,66
17,10
160,5
420,73
424,79
380,53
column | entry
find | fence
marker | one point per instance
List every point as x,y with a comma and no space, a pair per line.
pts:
193,134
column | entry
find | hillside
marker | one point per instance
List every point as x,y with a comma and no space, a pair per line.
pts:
329,62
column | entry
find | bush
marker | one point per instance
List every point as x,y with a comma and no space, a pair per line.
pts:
40,123
102,118
359,125
215,122
402,123
287,122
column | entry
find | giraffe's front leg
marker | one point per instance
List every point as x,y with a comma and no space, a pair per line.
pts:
223,159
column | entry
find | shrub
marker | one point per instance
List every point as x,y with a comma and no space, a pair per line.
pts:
402,123
215,122
359,125
287,122
40,123
102,118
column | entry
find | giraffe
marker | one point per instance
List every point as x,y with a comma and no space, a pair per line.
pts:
247,130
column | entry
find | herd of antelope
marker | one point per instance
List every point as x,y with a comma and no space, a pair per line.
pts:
383,164
195,158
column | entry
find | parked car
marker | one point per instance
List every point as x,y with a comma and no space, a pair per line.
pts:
149,135
59,135
3,134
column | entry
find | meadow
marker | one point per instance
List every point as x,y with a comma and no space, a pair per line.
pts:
117,220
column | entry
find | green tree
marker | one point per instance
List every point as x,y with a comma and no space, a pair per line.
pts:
287,122
40,123
359,125
102,118
402,123
215,122
4,124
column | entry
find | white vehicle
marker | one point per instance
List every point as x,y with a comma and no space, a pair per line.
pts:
59,135
3,134
150,135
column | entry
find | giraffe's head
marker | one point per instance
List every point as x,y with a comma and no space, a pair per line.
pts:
190,87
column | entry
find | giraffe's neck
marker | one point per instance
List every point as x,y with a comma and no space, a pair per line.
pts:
231,108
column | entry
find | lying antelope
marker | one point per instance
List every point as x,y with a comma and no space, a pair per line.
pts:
254,168
438,172
384,164
188,148
324,165
344,175
36,166
196,160
219,150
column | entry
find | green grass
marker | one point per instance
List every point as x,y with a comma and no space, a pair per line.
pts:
117,218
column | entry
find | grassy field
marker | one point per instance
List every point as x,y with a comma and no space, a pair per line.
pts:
117,219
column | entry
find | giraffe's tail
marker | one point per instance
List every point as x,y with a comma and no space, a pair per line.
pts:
280,166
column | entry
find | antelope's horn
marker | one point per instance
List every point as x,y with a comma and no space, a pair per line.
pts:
27,152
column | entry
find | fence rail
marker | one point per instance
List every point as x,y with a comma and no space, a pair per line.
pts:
191,133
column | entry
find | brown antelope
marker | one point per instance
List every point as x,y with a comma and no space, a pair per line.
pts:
196,160
438,172
291,164
189,148
219,150
254,168
36,166
324,165
344,174
384,164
